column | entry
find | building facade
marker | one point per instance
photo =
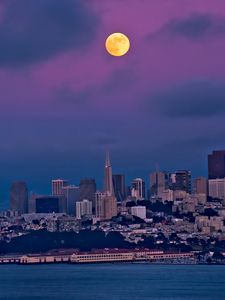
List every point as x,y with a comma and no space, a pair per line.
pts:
88,189
57,186
217,188
83,208
19,197
72,195
216,165
138,189
119,187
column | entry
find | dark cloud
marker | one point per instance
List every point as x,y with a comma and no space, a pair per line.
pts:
193,27
36,30
194,99
118,81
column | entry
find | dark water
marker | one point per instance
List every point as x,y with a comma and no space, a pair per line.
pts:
111,282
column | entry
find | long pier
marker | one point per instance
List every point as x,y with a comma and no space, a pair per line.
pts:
102,256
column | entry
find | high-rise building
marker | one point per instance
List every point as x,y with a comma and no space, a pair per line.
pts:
216,164
119,187
138,189
108,182
105,202
217,188
72,195
88,189
19,197
57,186
158,183
105,206
83,208
200,185
47,204
183,181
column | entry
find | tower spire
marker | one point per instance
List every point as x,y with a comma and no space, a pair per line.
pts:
108,182
107,159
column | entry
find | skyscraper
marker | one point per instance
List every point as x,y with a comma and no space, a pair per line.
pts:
88,189
72,195
138,189
105,207
158,183
19,197
108,182
216,164
183,181
57,186
119,186
200,186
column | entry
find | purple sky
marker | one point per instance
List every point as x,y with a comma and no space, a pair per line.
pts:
64,100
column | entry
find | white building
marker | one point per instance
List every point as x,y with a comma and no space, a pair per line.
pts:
139,211
83,208
217,188
138,189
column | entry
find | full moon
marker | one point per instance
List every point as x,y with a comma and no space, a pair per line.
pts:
117,44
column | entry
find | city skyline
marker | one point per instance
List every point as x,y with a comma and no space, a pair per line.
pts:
64,99
103,184
160,184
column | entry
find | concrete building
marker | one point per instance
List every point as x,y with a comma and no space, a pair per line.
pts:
72,195
57,186
217,188
88,189
179,195
138,189
166,195
183,181
139,211
158,183
105,206
216,165
207,225
119,187
19,197
83,208
200,185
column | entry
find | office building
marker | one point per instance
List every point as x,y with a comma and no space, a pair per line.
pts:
83,208
88,189
105,206
57,186
72,195
19,197
158,183
216,165
200,185
105,202
119,187
108,182
217,188
183,181
138,189
47,204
